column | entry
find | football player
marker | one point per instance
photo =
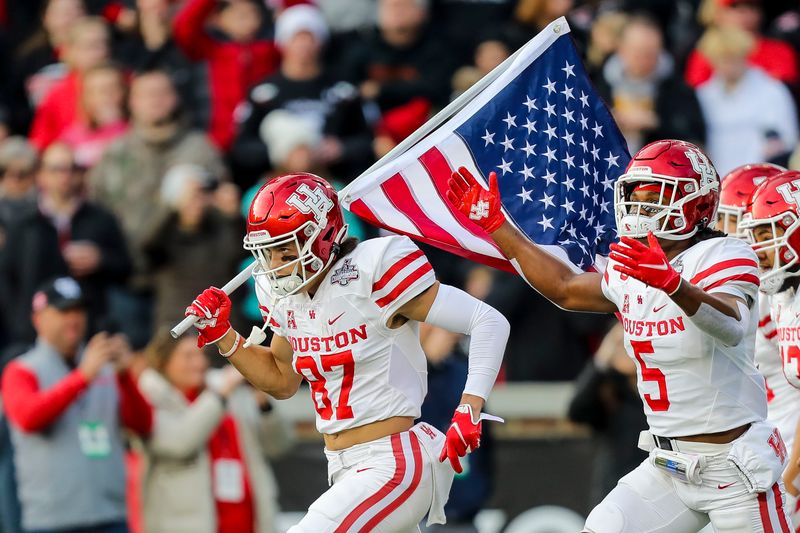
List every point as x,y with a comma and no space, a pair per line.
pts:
687,297
345,317
783,400
771,221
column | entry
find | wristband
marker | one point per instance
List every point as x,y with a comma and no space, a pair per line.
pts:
233,349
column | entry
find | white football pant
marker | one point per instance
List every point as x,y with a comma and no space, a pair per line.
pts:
386,485
648,500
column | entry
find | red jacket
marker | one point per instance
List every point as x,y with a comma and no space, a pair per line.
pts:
776,58
56,112
233,67
32,410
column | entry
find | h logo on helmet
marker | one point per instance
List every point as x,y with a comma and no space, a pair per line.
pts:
313,201
702,166
790,192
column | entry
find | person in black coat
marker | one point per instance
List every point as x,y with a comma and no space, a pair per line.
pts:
307,89
64,235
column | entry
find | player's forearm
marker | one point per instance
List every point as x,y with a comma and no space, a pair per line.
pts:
723,317
543,272
257,364
792,468
689,297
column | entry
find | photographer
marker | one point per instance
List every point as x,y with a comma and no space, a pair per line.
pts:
66,404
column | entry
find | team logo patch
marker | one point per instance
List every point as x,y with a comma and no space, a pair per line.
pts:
344,274
290,321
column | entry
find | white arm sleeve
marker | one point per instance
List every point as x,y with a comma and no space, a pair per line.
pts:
457,311
726,329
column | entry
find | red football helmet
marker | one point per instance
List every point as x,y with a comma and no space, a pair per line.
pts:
688,187
300,209
737,188
775,206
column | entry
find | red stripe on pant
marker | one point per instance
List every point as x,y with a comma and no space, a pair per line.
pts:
776,492
766,522
385,490
406,493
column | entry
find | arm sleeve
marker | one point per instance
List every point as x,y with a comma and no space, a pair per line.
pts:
457,311
188,29
402,274
32,409
135,413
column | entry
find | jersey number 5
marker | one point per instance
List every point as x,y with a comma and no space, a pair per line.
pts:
319,393
651,374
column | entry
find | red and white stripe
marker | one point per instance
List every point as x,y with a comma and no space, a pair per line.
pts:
407,475
400,277
767,327
740,270
408,196
770,508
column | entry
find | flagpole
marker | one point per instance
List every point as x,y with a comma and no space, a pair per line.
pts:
439,118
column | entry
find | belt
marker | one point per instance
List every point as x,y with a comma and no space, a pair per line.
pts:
670,444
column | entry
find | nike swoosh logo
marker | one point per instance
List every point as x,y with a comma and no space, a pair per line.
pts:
662,266
725,486
657,309
332,320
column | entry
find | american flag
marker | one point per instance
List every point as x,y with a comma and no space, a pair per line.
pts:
556,150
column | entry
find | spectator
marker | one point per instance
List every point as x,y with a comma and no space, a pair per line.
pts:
200,225
532,16
18,162
607,400
87,46
205,470
604,39
648,99
63,235
66,411
235,64
128,180
103,118
401,62
750,116
777,58
488,55
36,63
149,45
306,88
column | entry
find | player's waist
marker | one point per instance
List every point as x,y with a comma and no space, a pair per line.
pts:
688,441
368,432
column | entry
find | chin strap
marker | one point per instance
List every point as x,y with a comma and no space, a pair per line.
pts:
257,335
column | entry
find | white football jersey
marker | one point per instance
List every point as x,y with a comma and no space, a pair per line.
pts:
360,371
786,313
783,400
689,382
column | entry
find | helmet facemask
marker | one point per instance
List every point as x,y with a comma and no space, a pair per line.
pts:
304,269
731,216
785,258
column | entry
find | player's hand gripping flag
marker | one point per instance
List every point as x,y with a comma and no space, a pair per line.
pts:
482,206
551,143
647,264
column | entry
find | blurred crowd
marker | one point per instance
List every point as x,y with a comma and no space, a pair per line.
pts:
133,134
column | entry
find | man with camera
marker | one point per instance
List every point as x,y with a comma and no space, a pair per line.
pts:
67,403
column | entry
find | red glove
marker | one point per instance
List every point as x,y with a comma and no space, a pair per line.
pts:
479,205
213,309
648,265
463,436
